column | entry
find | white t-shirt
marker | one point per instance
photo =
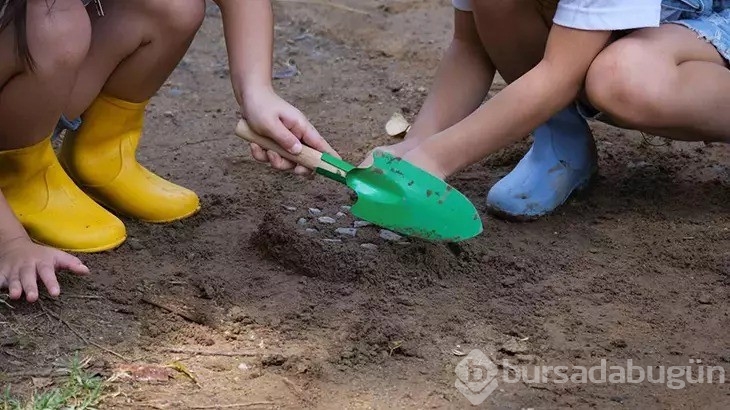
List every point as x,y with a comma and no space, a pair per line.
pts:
599,14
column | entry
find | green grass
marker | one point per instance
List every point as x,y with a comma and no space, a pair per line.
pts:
77,390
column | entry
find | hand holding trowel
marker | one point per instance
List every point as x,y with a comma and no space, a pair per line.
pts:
391,193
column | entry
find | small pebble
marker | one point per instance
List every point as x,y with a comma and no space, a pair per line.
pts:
311,230
169,114
314,211
371,246
404,243
347,231
705,299
328,240
361,224
340,215
302,221
289,208
346,208
389,236
326,220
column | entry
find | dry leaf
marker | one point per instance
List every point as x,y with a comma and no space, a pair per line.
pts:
397,126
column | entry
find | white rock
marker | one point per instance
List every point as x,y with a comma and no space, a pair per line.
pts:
340,215
328,240
361,224
389,236
370,246
315,211
346,208
311,230
302,221
326,220
289,208
347,231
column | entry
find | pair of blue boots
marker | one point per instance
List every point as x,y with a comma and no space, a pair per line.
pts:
562,160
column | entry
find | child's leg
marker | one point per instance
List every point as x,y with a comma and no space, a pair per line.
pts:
664,81
562,158
32,101
134,48
48,204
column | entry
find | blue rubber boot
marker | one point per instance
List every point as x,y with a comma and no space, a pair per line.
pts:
562,159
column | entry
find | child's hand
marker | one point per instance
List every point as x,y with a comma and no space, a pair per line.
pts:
271,116
22,262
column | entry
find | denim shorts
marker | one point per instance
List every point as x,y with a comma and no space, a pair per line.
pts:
709,19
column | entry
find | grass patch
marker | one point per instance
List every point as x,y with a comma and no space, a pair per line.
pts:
76,390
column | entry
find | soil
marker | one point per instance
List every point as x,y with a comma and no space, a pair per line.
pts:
637,267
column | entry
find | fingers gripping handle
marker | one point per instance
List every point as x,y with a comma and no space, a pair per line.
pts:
309,157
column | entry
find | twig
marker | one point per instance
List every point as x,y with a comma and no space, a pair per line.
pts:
71,328
35,373
293,386
2,300
11,354
173,310
235,406
94,297
327,3
210,353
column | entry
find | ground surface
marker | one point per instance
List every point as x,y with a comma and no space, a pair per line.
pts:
636,268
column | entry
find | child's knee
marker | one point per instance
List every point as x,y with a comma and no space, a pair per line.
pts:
179,17
58,35
621,84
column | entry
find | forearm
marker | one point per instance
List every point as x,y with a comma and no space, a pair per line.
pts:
523,105
248,28
10,227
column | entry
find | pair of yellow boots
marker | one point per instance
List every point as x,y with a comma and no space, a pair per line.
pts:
58,202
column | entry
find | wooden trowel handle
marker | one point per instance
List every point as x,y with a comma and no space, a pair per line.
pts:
309,157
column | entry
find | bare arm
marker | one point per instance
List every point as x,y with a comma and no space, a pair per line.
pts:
519,108
462,81
248,26
249,31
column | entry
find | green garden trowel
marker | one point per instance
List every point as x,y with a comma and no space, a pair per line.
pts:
391,193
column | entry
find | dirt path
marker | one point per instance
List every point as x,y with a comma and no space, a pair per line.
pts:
637,268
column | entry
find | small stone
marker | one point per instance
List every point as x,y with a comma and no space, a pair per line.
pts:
328,240
346,208
169,114
593,250
705,299
244,367
326,220
404,243
347,231
289,208
315,211
361,224
422,90
135,244
311,230
178,225
389,236
302,221
370,246
340,215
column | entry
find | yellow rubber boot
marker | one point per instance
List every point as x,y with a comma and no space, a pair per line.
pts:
51,208
101,158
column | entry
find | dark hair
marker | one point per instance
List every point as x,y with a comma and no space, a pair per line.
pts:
15,12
